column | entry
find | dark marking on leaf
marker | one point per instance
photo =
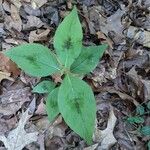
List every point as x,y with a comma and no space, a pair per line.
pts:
67,44
76,103
77,106
44,86
53,103
90,57
31,58
33,61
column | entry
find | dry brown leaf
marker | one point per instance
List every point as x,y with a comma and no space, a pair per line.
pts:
5,75
17,23
6,65
14,41
113,23
57,78
33,22
101,35
42,36
142,36
41,109
147,85
18,138
106,136
12,100
6,6
3,62
7,124
17,3
51,129
37,3
14,21
69,4
93,147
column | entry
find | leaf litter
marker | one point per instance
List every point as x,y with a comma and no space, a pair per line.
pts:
120,81
17,139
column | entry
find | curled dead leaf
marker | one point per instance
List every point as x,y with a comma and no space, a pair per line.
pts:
106,136
5,75
41,36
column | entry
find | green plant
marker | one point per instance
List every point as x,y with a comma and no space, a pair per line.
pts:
139,118
74,98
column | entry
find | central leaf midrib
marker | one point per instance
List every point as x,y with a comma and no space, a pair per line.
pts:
80,63
80,114
40,62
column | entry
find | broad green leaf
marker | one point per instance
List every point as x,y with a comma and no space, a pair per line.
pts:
35,59
148,105
140,110
52,104
145,130
76,103
148,145
44,87
88,59
135,119
68,39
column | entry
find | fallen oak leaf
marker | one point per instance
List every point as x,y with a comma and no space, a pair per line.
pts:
17,139
106,136
5,75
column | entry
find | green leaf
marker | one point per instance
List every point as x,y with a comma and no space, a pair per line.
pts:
148,145
35,59
88,59
135,119
145,130
148,105
52,104
76,103
68,39
140,110
44,87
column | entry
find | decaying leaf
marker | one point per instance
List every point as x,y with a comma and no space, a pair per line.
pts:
14,21
113,23
147,85
42,36
41,108
17,22
17,3
18,138
12,100
106,136
101,35
5,75
93,147
37,3
6,65
33,22
142,36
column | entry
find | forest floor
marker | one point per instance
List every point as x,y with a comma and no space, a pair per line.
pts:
121,81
